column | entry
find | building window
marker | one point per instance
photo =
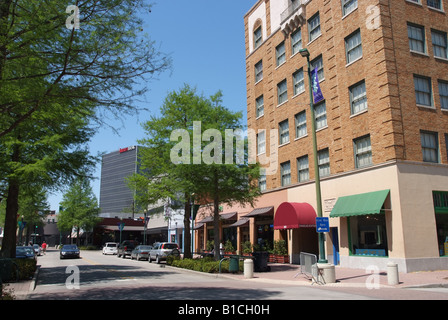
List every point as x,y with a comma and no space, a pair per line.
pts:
439,44
300,120
423,92
320,113
282,92
324,162
259,102
262,182
285,171
296,41
436,4
358,97
259,71
280,54
314,27
261,142
298,82
368,236
416,35
319,63
443,92
430,146
363,152
283,132
353,46
258,37
348,6
303,171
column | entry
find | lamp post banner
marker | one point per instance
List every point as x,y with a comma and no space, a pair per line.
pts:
317,93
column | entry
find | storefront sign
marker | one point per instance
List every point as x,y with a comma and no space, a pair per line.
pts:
127,149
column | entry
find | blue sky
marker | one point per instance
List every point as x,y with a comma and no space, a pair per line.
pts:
205,39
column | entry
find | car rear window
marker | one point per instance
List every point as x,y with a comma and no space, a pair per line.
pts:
170,246
111,245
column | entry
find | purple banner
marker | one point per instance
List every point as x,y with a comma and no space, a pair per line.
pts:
317,93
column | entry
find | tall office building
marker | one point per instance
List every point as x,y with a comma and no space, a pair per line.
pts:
116,198
382,128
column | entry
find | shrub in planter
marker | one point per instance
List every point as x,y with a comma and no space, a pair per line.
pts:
27,267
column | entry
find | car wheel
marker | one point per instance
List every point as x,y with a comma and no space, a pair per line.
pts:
157,260
149,258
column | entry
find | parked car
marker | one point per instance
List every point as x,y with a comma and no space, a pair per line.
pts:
25,252
110,248
161,250
125,248
37,249
69,251
141,252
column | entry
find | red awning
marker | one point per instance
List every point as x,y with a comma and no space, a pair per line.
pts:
293,215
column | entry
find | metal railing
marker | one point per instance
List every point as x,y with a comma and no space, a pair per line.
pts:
290,10
308,267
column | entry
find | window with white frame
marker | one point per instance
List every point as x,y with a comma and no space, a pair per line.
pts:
285,171
430,146
416,35
261,142
280,54
259,104
320,113
283,128
439,44
443,92
300,120
259,71
319,63
282,92
262,182
353,46
296,41
358,97
348,6
436,4
258,37
423,91
324,162
298,81
314,27
303,171
363,152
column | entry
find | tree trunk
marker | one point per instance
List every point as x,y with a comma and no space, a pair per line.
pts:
187,231
12,209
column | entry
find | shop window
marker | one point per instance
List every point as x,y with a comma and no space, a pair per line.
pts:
441,211
368,235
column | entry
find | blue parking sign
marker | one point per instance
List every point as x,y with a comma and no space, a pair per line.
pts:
322,224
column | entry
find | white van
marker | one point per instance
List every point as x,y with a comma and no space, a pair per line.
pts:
110,248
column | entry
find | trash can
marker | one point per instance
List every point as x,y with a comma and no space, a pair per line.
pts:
261,261
234,263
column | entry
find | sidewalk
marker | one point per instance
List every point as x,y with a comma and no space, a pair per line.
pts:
290,274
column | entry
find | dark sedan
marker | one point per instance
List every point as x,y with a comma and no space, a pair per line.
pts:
23,252
69,251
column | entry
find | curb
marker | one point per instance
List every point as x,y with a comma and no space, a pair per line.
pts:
34,280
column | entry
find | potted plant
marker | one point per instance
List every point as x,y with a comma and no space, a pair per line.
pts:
209,246
228,247
281,252
246,248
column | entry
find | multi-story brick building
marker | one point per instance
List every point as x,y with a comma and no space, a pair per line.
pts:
382,129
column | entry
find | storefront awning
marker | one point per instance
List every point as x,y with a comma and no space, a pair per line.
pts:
359,204
240,223
260,212
293,215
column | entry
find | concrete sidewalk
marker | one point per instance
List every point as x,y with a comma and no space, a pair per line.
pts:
290,274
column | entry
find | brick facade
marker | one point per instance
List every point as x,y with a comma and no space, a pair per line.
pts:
392,119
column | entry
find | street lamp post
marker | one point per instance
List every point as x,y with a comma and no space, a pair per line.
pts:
322,258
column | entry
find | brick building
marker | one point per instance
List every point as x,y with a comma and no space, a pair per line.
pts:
382,129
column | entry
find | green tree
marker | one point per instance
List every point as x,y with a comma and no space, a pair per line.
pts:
58,83
79,208
177,163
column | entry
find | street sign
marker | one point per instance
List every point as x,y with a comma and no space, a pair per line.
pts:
322,224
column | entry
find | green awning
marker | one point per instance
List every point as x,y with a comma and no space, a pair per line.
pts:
359,204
